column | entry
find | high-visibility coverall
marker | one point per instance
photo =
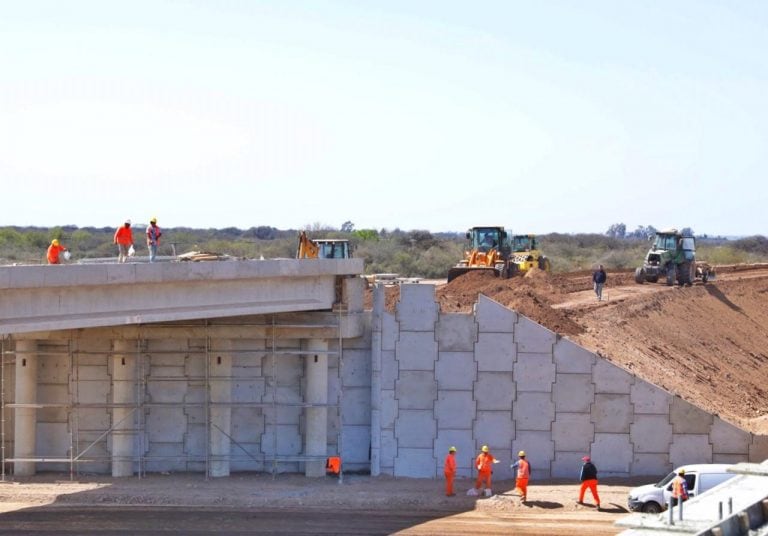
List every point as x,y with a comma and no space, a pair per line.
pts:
483,464
450,472
523,474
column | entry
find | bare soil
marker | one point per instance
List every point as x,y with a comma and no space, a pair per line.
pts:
259,503
707,343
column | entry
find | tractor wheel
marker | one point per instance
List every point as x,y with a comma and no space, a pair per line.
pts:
639,276
671,273
684,274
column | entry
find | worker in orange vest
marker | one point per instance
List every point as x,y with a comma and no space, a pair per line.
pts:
53,252
523,474
483,464
679,488
124,240
450,471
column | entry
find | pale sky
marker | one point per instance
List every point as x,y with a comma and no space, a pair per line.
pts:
552,116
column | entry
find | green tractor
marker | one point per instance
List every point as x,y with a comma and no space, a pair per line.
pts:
672,257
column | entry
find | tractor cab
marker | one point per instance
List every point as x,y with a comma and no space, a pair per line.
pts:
486,238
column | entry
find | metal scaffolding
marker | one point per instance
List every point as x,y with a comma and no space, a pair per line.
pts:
84,451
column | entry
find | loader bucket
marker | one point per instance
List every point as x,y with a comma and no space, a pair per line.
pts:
453,273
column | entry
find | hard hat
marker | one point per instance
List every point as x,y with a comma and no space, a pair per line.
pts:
521,454
586,459
153,220
681,472
128,221
451,449
55,242
484,448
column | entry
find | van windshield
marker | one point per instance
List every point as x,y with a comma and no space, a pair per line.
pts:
666,480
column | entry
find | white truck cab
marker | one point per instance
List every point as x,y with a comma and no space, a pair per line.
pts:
653,498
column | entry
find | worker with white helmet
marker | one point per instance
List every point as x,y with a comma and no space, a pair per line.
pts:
523,474
153,238
124,240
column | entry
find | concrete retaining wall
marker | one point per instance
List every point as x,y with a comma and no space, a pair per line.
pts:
496,378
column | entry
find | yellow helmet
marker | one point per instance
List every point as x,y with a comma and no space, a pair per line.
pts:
153,220
484,448
451,449
521,454
681,472
55,242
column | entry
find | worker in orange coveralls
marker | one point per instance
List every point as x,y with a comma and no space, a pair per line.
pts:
483,463
523,474
450,471
124,240
53,252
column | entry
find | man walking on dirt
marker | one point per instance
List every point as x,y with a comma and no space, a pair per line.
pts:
588,478
598,278
450,471
523,474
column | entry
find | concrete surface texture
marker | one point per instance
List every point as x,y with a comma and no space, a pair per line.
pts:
494,377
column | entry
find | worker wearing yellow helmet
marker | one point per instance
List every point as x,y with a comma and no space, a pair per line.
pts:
153,238
523,474
54,250
483,464
449,469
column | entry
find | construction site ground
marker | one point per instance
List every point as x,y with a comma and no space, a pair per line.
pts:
707,343
293,504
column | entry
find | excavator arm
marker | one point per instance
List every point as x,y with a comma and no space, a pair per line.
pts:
307,248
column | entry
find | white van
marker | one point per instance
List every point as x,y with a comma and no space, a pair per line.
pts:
653,498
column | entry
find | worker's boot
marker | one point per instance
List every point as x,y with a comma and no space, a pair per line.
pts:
488,492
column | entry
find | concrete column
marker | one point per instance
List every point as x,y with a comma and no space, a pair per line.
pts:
25,426
220,423
316,436
123,418
378,312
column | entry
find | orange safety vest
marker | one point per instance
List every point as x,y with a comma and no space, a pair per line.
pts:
678,488
523,469
483,462
333,465
124,236
53,253
450,464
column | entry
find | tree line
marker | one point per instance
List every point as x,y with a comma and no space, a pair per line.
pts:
414,253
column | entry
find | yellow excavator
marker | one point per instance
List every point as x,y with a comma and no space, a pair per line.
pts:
322,248
489,250
525,254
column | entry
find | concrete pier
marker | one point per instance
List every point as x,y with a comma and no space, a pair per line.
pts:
315,438
124,412
26,417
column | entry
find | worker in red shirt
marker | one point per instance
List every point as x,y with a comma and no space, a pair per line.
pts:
54,250
483,464
450,471
124,241
523,474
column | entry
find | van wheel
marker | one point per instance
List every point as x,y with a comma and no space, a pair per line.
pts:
651,508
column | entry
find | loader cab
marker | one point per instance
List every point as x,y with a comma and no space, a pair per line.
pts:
486,238
333,249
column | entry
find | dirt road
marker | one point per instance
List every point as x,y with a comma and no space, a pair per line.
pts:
292,504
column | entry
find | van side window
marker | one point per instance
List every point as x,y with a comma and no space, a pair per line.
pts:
710,480
690,482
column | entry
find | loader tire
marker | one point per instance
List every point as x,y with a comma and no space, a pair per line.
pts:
639,276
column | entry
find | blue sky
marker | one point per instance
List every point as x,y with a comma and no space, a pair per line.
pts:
539,116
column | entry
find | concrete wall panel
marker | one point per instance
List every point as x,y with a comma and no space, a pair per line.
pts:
52,439
534,372
612,413
388,451
417,309
568,465
614,452
688,419
494,427
540,450
356,406
690,448
356,371
758,449
727,439
389,369
456,332
571,358
389,408
532,337
416,390
416,463
465,447
494,317
494,390
573,432
455,370
573,393
651,464
247,425
54,369
356,446
415,428
648,398
455,410
611,379
651,433
534,411
416,350
390,331
495,352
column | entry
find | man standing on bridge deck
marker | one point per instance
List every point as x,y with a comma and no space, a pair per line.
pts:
124,241
598,278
